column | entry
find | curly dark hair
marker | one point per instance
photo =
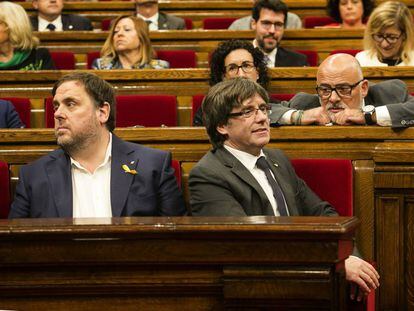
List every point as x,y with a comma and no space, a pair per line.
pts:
333,9
217,69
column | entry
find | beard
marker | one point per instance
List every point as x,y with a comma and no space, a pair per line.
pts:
267,48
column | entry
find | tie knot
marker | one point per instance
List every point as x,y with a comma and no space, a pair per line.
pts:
262,163
51,27
148,22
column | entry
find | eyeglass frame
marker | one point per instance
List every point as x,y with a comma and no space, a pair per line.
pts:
268,24
240,67
387,37
246,112
352,86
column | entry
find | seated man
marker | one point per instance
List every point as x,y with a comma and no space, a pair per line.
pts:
344,97
148,11
50,17
9,118
240,177
269,21
94,174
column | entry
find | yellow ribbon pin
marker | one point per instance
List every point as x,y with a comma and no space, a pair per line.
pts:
128,170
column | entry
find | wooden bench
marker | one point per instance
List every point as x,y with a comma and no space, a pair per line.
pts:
184,83
383,161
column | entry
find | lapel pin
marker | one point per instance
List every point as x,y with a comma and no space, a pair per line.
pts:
132,162
275,164
128,170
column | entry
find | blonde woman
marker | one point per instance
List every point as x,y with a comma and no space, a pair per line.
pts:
128,46
389,37
17,44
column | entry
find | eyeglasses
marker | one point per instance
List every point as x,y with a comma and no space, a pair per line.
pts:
343,90
233,69
391,39
268,24
247,113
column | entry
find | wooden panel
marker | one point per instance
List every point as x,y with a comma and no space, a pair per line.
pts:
409,253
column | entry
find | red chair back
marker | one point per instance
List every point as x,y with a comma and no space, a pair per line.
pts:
64,60
49,113
177,171
188,23
4,190
22,106
330,179
351,52
106,24
179,58
315,21
218,22
312,57
146,110
90,57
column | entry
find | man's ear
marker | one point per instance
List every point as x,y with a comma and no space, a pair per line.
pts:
222,129
253,24
364,88
104,111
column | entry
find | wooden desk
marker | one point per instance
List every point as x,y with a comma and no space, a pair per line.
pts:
175,263
383,161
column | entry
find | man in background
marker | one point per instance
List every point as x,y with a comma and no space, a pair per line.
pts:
148,11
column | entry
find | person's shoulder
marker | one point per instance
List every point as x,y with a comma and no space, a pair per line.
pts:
42,161
76,17
142,150
171,17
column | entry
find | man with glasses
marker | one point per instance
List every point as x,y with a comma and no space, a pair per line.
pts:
269,22
344,97
240,177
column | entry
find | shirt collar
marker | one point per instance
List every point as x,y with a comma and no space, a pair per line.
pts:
153,18
56,22
247,159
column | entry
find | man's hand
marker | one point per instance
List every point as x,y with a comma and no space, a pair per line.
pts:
348,117
315,116
363,276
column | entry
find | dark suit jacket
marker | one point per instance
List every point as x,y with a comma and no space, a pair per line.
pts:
69,22
288,58
45,186
9,118
168,21
392,93
220,185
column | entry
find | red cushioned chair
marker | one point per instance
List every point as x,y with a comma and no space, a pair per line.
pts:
312,57
49,113
317,21
346,51
146,110
179,58
22,106
90,57
332,181
64,60
177,171
188,23
4,190
218,22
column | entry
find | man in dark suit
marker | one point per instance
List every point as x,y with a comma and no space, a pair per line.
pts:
344,97
94,174
50,17
148,11
9,118
240,177
269,22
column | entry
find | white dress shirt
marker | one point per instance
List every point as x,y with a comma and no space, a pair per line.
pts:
92,191
249,161
153,19
42,26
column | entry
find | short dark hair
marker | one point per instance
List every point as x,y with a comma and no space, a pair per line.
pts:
333,9
98,89
217,68
220,101
273,5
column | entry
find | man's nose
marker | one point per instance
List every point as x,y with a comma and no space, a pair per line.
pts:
334,97
260,116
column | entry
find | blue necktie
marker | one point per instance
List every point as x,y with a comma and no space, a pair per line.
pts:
51,27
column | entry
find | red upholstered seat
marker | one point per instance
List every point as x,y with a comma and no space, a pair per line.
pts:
179,58
346,51
188,23
4,190
146,110
22,106
218,22
286,97
315,21
64,60
49,113
90,57
312,57
177,171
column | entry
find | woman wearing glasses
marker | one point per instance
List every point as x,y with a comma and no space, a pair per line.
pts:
235,58
389,37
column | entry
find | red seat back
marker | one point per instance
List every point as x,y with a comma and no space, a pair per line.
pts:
22,106
49,113
106,24
346,51
90,57
179,58
286,97
4,190
146,110
315,21
188,23
330,179
312,57
64,60
177,171
218,22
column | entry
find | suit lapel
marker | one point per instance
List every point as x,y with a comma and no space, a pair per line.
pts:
60,181
243,173
283,183
121,180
